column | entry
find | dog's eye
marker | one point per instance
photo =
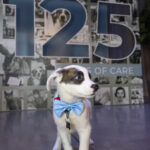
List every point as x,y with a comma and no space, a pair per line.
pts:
76,77
79,76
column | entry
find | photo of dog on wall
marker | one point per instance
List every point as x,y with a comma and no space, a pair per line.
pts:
38,73
137,95
55,21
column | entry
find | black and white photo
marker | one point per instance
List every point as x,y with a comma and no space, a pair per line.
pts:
37,99
137,95
103,96
13,100
120,95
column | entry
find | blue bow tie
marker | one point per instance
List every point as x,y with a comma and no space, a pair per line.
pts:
60,107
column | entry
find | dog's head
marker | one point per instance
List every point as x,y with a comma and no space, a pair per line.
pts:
61,15
37,73
74,80
135,94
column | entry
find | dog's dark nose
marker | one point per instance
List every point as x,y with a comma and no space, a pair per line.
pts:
62,18
95,87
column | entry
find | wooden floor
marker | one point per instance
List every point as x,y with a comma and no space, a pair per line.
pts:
114,128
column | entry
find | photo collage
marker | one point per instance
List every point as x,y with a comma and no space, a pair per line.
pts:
23,79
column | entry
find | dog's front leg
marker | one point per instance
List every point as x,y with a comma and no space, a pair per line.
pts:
57,145
65,138
84,136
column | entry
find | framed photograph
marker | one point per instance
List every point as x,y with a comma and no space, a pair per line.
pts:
39,12
137,95
12,100
103,96
9,10
120,95
36,99
8,29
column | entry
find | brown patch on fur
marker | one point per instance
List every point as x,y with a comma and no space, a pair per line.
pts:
68,74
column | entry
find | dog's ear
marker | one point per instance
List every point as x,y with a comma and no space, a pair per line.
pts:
56,75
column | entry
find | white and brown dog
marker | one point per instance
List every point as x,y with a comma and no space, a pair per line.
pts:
71,109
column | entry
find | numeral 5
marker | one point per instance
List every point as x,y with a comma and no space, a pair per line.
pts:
105,26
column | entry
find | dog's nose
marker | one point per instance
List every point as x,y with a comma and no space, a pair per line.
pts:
95,87
63,18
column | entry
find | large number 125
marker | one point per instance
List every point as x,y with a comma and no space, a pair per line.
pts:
57,45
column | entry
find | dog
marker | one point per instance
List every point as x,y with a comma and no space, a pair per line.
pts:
60,18
136,96
56,20
37,76
74,86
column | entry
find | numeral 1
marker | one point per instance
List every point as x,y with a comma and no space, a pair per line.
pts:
24,27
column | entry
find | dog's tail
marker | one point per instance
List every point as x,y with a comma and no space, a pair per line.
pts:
53,76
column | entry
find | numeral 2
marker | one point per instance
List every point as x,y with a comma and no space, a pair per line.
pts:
57,46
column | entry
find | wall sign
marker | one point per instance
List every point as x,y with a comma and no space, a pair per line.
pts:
57,45
38,36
